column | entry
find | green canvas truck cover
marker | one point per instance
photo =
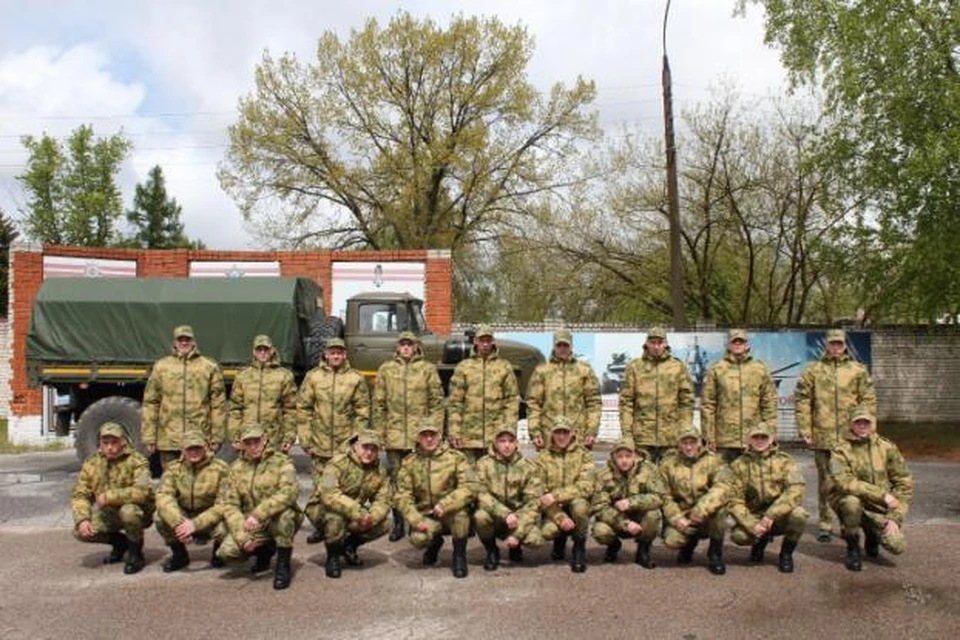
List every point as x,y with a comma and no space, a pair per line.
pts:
108,321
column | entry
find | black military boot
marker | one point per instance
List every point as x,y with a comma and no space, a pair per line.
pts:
559,547
492,561
432,552
317,536
613,550
135,559
263,554
459,566
515,554
786,556
332,566
350,547
685,555
118,544
281,573
178,560
215,561
852,561
758,548
643,554
871,543
397,532
715,557
578,558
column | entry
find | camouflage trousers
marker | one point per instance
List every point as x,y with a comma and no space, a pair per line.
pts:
789,526
130,519
606,532
216,532
490,527
579,511
821,458
280,529
853,517
714,528
336,528
456,524
394,459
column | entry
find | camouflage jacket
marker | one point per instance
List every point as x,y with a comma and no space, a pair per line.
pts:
641,485
508,486
262,488
483,396
656,400
124,480
350,488
567,474
763,484
331,407
404,393
566,388
443,477
826,392
693,485
265,393
869,469
183,393
190,491
737,394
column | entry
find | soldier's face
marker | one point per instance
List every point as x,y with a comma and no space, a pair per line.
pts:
861,428
656,346
406,349
428,440
561,438
506,445
738,347
367,453
760,442
183,344
194,455
836,348
253,447
111,446
485,345
690,447
624,459
262,354
562,351
335,356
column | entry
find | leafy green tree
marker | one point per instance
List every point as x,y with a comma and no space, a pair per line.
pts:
72,194
155,216
8,233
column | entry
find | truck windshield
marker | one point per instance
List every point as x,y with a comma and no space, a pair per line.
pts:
390,317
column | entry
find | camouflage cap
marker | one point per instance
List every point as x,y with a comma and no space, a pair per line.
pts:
183,331
408,335
862,412
484,330
836,335
761,429
657,332
625,443
262,341
561,423
689,432
112,429
736,334
427,424
334,343
506,428
251,431
368,437
562,336
193,438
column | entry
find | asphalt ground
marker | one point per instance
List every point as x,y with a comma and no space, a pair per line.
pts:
54,587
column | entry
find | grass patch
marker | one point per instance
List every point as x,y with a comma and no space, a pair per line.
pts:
6,447
925,440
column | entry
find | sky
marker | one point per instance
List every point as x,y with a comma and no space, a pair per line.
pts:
169,74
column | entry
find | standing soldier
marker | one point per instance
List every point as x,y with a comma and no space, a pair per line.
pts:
186,501
765,488
407,389
435,491
873,489
113,498
333,404
627,501
508,498
826,392
656,397
568,476
356,497
483,396
266,394
694,501
185,390
259,506
737,393
563,387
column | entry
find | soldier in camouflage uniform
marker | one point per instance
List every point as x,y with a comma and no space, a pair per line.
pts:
565,387
626,502
656,397
185,390
186,501
738,392
355,494
694,500
259,506
112,501
407,389
765,489
333,405
568,476
436,489
483,396
826,392
872,489
508,499
265,393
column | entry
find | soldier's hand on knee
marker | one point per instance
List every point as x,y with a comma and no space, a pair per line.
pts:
364,522
512,542
438,511
547,500
891,501
682,524
423,526
512,521
101,500
622,505
251,524
567,524
185,530
890,528
85,529
250,546
634,529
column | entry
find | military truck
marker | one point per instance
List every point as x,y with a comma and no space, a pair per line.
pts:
94,339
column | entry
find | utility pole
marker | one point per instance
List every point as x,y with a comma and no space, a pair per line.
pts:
673,195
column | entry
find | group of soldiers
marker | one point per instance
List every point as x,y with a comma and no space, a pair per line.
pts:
458,470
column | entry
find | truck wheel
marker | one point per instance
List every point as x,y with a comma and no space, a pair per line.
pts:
320,331
124,411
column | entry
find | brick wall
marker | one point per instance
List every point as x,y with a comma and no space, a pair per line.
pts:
917,374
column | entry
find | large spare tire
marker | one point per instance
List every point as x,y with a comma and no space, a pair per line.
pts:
119,409
320,331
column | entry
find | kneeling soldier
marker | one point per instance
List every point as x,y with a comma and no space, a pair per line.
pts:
872,489
434,493
765,489
355,495
627,501
507,503
186,501
112,501
259,506
693,505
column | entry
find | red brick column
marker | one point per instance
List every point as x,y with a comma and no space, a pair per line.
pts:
439,291
26,268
